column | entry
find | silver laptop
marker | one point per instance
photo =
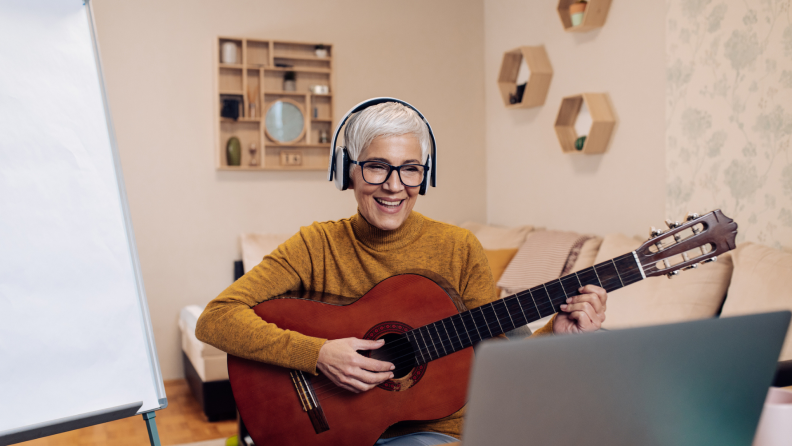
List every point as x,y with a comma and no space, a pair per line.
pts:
694,383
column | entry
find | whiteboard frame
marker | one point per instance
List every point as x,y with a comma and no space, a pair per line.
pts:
141,291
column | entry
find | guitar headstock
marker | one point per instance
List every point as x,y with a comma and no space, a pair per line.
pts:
700,239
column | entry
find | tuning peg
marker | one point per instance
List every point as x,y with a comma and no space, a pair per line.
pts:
711,259
672,274
672,224
654,232
691,216
693,266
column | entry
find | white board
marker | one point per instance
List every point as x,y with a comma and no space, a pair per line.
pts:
75,333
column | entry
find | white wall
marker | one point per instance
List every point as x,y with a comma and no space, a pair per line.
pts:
529,179
159,58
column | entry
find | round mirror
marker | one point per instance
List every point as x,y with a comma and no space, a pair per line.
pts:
284,122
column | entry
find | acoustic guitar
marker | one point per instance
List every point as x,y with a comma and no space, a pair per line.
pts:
428,337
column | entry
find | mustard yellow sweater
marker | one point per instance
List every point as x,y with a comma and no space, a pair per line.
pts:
346,258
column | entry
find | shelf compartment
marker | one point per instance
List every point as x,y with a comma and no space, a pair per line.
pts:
321,108
538,84
602,126
253,93
313,157
258,53
305,64
594,16
237,43
298,50
230,79
248,133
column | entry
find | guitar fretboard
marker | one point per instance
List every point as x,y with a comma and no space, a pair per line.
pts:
462,330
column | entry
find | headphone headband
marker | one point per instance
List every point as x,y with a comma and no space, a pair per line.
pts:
366,104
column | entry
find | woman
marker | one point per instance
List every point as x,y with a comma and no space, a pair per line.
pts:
389,145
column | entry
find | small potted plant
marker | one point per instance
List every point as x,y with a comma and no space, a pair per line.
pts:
320,50
576,11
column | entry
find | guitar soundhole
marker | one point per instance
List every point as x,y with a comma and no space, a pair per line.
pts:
398,351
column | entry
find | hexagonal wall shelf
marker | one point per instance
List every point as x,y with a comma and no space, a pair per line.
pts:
603,122
538,82
594,16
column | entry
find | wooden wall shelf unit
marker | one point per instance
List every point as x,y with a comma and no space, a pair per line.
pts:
258,78
594,16
603,123
538,81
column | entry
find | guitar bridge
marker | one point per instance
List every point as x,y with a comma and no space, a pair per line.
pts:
309,401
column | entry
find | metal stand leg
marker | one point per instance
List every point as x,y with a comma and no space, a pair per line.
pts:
151,425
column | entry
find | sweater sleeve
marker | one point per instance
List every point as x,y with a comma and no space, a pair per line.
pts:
230,324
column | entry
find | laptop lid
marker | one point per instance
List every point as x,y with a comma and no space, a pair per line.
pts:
691,383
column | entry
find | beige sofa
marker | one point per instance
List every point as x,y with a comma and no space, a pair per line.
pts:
750,279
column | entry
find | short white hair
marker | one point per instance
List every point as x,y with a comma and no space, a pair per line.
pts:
385,119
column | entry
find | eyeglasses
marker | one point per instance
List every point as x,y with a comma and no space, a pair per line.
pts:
378,172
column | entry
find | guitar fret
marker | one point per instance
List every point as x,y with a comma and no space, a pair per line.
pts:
455,320
497,318
415,342
474,324
617,273
452,338
578,279
484,318
514,311
465,330
521,310
428,352
548,298
535,306
440,340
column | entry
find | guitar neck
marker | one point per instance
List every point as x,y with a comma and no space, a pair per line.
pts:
462,330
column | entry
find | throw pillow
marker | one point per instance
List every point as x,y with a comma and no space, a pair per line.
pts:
760,283
498,260
694,294
498,237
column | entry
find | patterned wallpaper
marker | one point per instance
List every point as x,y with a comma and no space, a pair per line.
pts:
729,114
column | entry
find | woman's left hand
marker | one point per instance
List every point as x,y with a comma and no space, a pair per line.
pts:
582,313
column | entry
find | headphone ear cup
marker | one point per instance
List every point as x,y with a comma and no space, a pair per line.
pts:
427,174
341,176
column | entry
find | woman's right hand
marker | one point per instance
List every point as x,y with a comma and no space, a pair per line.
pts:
348,369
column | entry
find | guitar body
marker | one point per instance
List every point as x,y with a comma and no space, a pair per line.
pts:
268,398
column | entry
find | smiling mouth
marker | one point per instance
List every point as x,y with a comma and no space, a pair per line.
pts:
388,204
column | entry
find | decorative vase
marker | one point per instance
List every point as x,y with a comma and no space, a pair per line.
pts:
229,52
576,12
233,152
320,51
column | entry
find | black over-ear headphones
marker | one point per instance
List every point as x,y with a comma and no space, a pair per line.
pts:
339,159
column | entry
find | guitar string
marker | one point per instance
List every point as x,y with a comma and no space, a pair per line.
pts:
328,389
491,310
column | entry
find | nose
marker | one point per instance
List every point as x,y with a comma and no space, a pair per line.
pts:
393,182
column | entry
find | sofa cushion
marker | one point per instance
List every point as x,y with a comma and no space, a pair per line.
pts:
498,260
541,258
760,283
256,246
588,252
498,237
694,294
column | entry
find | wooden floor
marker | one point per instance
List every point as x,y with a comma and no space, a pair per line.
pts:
181,422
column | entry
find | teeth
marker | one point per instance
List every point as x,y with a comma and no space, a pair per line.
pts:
388,203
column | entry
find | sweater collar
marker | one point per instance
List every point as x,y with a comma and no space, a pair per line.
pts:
381,240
